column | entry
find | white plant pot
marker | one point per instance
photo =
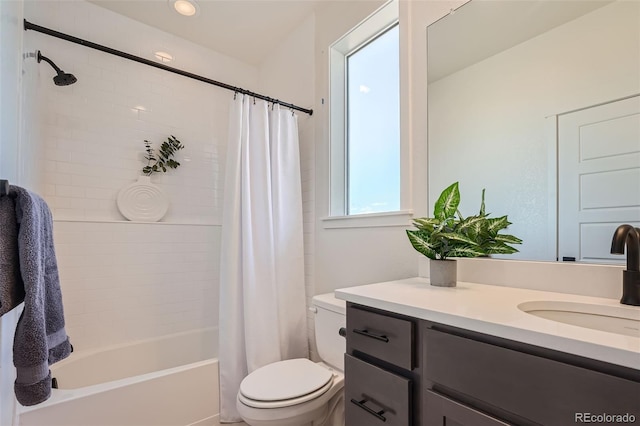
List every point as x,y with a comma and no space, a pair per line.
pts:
143,201
443,273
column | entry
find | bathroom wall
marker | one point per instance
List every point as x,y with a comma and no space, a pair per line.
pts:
359,253
10,99
16,101
288,71
123,281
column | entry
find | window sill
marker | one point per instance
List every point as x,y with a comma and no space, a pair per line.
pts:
400,218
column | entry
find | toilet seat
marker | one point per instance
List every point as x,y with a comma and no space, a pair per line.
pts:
285,383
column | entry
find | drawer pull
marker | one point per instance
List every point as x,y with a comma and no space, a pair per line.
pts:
367,333
377,414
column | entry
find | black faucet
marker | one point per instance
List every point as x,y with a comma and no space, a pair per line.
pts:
629,236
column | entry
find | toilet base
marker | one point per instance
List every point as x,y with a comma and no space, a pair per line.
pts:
334,415
326,410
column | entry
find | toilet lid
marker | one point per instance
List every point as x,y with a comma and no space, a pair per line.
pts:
285,380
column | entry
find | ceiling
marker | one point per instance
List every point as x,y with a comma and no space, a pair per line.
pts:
480,29
244,29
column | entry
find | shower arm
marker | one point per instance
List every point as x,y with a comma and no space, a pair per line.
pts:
49,61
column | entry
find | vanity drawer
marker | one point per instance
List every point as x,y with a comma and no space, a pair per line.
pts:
386,338
539,389
374,396
442,411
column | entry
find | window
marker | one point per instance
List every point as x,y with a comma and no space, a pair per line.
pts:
373,126
365,117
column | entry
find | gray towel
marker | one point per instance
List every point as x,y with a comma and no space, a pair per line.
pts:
40,338
11,287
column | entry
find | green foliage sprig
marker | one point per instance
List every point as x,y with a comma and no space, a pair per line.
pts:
447,235
163,160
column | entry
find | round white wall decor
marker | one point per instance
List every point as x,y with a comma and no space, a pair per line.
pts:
142,201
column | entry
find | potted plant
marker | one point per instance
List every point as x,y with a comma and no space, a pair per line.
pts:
449,235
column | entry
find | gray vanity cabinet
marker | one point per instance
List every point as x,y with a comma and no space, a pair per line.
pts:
374,395
512,380
442,411
405,371
381,378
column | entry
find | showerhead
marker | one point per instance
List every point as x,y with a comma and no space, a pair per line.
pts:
62,78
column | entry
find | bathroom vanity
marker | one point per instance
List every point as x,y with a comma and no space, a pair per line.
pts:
472,355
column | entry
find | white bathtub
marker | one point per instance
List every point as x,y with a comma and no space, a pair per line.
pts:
170,381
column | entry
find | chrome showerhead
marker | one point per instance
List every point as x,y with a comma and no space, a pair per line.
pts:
62,78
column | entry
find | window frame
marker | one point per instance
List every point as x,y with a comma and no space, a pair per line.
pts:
381,21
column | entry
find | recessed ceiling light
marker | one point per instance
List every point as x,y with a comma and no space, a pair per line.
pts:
185,7
163,56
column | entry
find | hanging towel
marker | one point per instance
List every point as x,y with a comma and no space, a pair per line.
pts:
40,338
11,287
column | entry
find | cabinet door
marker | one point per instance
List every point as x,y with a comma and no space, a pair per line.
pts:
374,396
542,390
442,411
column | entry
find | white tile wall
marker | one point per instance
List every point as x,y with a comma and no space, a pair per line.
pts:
94,130
128,281
124,281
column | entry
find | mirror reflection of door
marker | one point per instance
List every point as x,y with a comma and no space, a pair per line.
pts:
599,152
495,71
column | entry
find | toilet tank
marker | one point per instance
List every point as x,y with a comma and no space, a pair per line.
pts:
330,316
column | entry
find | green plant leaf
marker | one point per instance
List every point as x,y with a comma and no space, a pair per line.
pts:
472,223
448,202
420,244
163,160
425,222
452,236
509,239
465,252
499,248
482,211
497,224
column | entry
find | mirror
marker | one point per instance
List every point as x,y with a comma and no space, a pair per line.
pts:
503,80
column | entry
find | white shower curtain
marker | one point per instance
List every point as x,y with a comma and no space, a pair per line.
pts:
262,294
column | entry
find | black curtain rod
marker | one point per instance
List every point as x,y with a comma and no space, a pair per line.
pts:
30,26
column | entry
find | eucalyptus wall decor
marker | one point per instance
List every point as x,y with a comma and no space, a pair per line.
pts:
143,201
163,159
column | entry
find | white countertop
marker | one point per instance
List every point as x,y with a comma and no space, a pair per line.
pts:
494,310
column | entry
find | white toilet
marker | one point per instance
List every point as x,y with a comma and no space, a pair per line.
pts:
299,392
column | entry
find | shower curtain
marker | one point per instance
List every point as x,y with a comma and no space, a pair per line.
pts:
262,294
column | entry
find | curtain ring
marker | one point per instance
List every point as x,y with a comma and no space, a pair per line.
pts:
254,100
234,95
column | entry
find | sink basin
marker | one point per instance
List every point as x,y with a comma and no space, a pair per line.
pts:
612,319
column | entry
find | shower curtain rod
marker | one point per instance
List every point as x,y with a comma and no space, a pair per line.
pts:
30,26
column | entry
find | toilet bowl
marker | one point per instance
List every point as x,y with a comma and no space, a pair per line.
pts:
299,392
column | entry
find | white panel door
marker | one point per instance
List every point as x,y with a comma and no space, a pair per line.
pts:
598,179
